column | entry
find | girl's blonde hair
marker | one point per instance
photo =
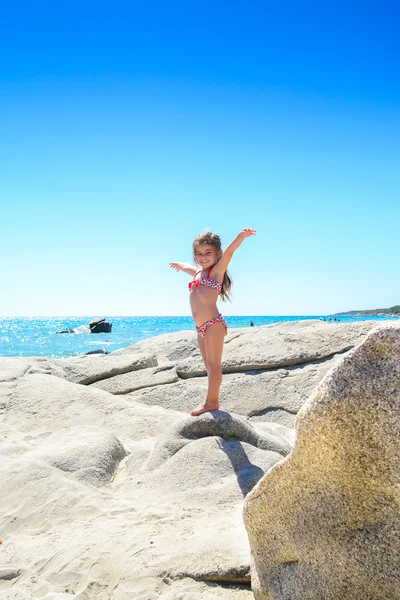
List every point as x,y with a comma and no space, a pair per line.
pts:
214,240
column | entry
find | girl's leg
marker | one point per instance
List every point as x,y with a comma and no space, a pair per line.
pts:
202,348
214,343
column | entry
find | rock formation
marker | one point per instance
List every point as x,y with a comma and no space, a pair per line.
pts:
111,490
100,326
325,522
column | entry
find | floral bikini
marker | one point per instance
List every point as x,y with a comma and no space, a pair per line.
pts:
212,283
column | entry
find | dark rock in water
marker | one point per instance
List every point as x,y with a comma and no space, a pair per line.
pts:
100,351
100,326
95,326
96,321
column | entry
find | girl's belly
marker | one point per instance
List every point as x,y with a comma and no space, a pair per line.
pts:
203,303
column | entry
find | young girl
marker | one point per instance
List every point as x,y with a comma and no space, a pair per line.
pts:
210,282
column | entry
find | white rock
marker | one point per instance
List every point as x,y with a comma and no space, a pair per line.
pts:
90,453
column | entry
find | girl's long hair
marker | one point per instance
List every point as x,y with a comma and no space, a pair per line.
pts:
214,240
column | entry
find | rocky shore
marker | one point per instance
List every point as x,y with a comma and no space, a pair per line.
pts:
393,311
112,491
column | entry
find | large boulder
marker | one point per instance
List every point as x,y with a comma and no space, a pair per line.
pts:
325,522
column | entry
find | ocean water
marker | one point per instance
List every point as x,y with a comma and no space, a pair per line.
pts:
36,336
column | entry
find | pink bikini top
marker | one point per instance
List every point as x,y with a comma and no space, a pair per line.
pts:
205,281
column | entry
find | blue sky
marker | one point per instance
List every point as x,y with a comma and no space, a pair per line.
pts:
128,128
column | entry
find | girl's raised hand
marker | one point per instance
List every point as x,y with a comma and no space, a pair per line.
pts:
176,266
247,232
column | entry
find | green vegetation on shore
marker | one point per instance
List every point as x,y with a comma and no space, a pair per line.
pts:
394,311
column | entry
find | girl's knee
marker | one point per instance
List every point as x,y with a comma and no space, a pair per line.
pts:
214,367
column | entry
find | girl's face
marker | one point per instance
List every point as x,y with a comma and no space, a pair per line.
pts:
206,256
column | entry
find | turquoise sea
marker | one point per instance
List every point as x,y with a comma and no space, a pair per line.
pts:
36,336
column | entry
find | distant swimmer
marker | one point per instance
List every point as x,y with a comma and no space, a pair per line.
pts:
251,324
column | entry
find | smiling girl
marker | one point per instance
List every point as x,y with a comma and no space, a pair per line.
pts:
207,285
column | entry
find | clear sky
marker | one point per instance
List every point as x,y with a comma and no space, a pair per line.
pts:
129,127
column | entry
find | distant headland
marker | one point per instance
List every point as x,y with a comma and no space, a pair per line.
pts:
394,311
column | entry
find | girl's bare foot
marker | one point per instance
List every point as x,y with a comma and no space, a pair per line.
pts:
205,407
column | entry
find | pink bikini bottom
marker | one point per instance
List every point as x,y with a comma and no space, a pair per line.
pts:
203,328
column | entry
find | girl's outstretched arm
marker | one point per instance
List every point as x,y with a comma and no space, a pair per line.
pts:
185,267
225,259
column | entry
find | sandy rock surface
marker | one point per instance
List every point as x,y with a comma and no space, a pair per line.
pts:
111,490
136,380
273,395
91,453
325,522
88,369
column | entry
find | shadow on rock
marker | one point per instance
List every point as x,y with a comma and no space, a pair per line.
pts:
247,473
251,452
